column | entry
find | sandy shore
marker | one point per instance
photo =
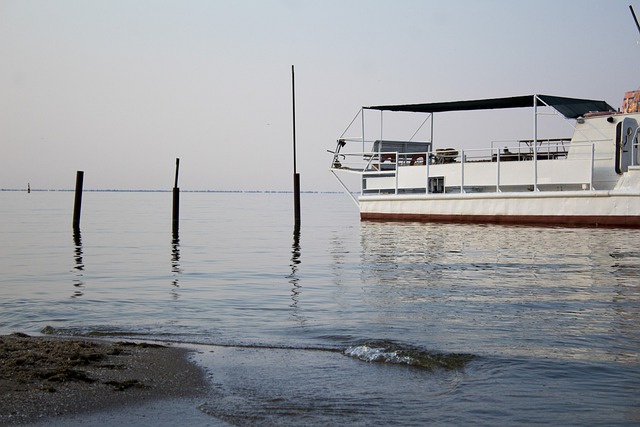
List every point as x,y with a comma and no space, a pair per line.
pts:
50,378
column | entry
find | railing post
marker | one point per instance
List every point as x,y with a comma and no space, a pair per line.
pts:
396,166
592,166
535,142
498,170
427,155
461,171
634,148
362,120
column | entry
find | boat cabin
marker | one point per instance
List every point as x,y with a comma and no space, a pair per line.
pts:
604,145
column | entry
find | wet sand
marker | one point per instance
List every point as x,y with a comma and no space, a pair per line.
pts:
53,380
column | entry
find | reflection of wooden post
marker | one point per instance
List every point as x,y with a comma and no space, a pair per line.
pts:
176,201
296,175
77,205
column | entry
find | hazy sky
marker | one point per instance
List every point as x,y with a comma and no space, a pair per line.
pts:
120,88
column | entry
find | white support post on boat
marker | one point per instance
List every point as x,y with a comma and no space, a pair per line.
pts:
535,142
427,156
431,141
396,168
461,171
362,120
634,148
497,170
426,160
593,157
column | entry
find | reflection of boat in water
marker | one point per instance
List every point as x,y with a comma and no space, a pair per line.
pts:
591,178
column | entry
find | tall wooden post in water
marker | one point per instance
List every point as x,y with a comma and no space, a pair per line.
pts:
176,202
296,175
77,205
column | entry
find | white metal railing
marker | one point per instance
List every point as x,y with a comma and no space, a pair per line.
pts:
515,150
385,164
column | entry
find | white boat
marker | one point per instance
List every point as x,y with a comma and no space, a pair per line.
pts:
591,178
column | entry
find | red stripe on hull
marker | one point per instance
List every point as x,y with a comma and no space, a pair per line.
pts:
567,221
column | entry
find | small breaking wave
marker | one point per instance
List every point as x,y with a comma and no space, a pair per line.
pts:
390,352
367,351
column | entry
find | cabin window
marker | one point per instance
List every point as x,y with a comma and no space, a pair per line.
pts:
436,184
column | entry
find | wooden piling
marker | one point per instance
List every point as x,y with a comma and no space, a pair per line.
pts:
176,202
77,205
296,175
296,199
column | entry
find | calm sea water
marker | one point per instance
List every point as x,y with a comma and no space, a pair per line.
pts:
344,322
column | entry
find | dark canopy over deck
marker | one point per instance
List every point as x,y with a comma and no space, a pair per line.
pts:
571,108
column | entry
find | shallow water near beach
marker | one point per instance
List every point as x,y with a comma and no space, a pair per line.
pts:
341,321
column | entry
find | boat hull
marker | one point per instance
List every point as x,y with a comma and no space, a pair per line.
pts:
579,208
